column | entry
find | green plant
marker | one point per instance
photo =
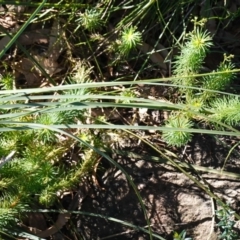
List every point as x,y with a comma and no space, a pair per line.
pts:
221,81
7,82
226,223
181,236
91,19
177,138
199,92
130,38
226,110
191,58
34,176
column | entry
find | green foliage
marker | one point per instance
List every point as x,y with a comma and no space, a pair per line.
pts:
226,110
7,82
219,82
130,38
177,138
181,236
127,93
80,75
91,19
187,73
10,208
46,135
191,58
35,175
226,223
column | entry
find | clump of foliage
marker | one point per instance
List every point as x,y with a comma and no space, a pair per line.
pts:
177,138
130,38
91,19
226,223
6,82
39,172
198,93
